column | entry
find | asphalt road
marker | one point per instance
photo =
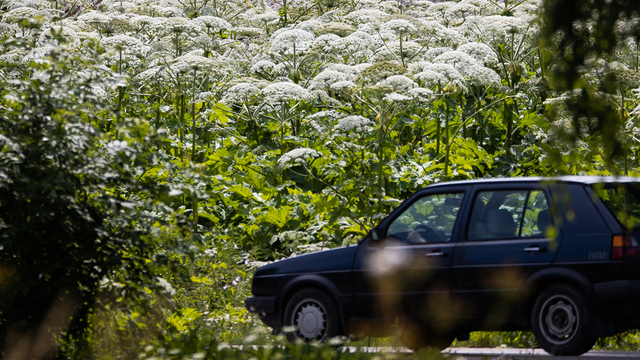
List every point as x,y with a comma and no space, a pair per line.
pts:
525,354
500,354
514,354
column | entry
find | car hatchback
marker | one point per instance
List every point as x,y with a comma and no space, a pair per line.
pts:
558,256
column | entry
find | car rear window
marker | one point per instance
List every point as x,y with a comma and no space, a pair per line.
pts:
623,200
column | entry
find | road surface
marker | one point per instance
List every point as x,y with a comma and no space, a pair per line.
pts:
513,354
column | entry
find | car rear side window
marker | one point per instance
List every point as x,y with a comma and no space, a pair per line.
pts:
623,200
509,214
536,215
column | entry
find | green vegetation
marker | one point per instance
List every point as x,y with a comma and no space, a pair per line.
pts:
153,153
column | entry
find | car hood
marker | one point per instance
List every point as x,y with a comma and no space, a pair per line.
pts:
322,261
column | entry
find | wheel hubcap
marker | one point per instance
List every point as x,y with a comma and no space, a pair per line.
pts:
559,319
310,320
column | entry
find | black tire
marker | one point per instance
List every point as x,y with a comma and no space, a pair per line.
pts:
560,320
313,315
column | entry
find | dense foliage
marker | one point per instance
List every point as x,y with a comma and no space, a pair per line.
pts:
580,33
74,211
219,134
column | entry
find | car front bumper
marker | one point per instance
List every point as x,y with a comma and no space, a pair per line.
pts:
267,308
261,304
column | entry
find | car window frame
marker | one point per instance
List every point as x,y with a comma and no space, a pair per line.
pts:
528,187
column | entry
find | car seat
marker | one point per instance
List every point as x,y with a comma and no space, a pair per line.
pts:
500,224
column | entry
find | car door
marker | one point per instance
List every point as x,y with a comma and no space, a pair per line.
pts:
405,274
509,235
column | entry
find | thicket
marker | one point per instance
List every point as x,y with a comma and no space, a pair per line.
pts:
152,153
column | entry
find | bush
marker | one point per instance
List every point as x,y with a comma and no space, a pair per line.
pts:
75,217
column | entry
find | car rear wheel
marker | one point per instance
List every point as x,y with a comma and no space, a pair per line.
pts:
312,315
560,321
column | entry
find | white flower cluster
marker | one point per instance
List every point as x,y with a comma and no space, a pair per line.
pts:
292,41
285,91
401,26
469,68
240,92
330,115
266,68
267,17
443,76
179,25
154,74
364,16
327,42
459,60
482,76
563,97
16,15
399,83
94,18
394,50
115,147
329,77
194,62
299,155
395,97
345,85
55,35
421,94
213,24
164,284
481,52
124,43
353,122
433,53
357,43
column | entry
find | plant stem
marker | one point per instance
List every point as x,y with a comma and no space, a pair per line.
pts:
447,142
284,11
508,116
181,121
194,204
381,143
401,52
437,137
119,111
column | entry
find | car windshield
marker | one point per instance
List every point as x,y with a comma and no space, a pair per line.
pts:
623,200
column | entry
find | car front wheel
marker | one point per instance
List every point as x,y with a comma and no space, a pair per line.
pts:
560,321
311,315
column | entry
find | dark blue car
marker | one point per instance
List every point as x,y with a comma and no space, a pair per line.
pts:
557,256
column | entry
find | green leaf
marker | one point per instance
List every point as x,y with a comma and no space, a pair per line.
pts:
278,217
241,190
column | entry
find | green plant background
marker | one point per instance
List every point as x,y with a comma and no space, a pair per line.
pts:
210,137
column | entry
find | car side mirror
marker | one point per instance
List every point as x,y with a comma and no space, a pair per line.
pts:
374,234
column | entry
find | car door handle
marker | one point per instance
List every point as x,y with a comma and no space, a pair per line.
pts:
535,248
436,253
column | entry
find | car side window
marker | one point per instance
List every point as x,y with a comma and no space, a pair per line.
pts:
430,219
536,215
508,214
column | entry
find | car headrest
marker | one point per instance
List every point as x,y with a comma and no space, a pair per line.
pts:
544,220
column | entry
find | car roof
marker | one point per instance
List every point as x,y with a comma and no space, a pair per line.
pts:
577,179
